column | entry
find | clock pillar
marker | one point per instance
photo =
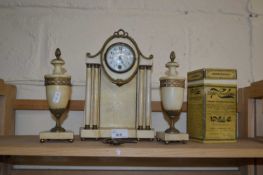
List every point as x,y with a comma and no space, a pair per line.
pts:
144,98
92,96
144,109
95,96
88,90
148,101
140,103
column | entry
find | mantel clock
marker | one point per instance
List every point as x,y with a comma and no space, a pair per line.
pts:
118,91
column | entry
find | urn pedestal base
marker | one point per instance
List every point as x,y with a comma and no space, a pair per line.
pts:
107,133
179,137
48,135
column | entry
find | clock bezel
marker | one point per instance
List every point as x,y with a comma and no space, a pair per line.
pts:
116,77
127,46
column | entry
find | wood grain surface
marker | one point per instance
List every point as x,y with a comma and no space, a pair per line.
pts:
30,146
74,105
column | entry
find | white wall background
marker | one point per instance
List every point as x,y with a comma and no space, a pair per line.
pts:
204,33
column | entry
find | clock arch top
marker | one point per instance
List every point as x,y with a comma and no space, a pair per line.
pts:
120,34
120,58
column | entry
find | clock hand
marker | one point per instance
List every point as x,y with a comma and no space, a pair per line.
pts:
121,60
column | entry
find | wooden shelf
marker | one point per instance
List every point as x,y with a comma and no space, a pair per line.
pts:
246,154
74,105
30,146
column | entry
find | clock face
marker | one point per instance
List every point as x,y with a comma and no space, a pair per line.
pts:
120,57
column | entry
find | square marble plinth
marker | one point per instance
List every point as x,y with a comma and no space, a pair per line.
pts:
47,135
145,134
172,137
89,133
107,133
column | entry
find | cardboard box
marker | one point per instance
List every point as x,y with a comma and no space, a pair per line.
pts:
212,105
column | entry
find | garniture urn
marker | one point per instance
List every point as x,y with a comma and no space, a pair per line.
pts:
58,90
172,93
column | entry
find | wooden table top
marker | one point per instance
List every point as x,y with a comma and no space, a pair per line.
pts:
30,146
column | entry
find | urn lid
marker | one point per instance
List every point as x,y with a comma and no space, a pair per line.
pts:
172,65
58,62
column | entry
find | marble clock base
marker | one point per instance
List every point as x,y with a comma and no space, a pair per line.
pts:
47,135
182,137
107,133
145,134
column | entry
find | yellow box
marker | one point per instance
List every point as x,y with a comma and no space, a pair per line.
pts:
212,105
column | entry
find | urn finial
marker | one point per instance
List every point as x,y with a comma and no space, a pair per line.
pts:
172,56
58,53
58,62
172,64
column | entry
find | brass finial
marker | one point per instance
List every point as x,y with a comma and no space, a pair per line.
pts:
58,53
172,56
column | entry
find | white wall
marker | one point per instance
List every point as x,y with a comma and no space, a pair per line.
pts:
256,8
204,33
